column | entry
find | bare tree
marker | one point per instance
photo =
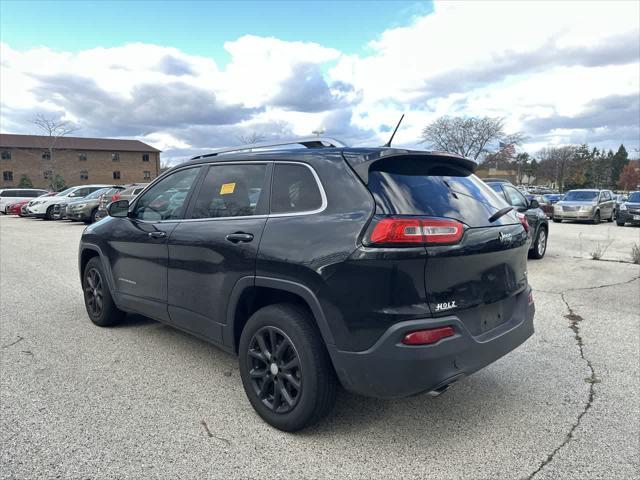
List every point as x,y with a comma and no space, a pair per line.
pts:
53,129
468,137
555,163
251,138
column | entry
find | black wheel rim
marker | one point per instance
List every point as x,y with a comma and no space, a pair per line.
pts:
274,369
93,292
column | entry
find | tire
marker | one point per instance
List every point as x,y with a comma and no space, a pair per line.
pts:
539,245
294,333
557,220
92,218
596,218
102,310
619,223
49,214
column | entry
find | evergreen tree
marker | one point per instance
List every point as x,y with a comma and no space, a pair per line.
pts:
618,162
25,182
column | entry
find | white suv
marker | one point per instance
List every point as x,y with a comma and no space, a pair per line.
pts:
15,195
43,207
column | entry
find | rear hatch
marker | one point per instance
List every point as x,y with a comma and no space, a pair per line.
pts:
475,264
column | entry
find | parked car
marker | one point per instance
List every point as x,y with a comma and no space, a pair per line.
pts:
127,193
43,207
14,208
17,207
585,204
393,272
629,210
86,209
14,195
59,211
538,226
619,199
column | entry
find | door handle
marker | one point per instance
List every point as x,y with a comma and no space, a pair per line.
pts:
239,237
157,234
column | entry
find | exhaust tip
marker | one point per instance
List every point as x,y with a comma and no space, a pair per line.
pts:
439,391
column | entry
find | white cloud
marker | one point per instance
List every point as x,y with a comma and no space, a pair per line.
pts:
530,62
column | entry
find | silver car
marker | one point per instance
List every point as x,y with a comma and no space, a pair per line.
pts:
591,205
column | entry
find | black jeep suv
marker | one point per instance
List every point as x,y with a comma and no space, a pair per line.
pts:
393,272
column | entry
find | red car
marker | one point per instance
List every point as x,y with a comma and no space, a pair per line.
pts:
15,208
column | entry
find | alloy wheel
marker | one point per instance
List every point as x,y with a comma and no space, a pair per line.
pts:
94,293
274,369
542,242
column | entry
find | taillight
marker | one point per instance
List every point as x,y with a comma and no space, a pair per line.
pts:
428,337
523,221
415,231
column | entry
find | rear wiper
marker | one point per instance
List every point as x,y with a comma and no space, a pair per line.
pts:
499,213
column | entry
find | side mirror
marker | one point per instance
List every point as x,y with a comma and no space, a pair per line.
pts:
119,208
534,203
71,195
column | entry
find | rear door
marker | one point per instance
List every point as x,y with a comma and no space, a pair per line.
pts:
216,245
480,275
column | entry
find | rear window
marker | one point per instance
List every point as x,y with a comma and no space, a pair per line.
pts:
294,189
416,187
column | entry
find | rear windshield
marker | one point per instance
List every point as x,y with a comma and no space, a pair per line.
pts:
417,187
577,196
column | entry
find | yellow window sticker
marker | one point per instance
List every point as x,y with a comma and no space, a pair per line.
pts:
227,188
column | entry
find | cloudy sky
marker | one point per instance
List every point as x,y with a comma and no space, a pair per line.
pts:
191,76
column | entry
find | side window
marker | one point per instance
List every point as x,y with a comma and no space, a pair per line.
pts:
230,191
514,197
606,196
294,189
166,199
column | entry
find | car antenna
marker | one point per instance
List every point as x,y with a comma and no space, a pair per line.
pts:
388,144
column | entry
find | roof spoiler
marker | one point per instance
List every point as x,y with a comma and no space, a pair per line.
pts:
362,162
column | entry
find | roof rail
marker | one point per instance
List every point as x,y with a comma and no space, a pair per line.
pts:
309,142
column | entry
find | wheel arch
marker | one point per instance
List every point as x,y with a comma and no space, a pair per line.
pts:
89,251
253,293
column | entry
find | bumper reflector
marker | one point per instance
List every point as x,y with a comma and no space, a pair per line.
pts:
427,337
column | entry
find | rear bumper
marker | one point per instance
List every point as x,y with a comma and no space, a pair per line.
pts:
390,369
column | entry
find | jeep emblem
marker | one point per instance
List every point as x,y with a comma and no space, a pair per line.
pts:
504,237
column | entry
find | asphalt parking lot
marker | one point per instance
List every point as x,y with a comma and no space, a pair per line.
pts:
143,400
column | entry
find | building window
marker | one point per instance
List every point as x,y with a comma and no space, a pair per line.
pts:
145,157
84,175
6,155
7,176
82,157
116,175
115,157
147,175
46,155
48,174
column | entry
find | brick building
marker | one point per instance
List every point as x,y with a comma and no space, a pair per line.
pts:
78,160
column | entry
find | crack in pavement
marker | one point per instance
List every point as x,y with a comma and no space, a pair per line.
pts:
574,320
12,344
596,287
